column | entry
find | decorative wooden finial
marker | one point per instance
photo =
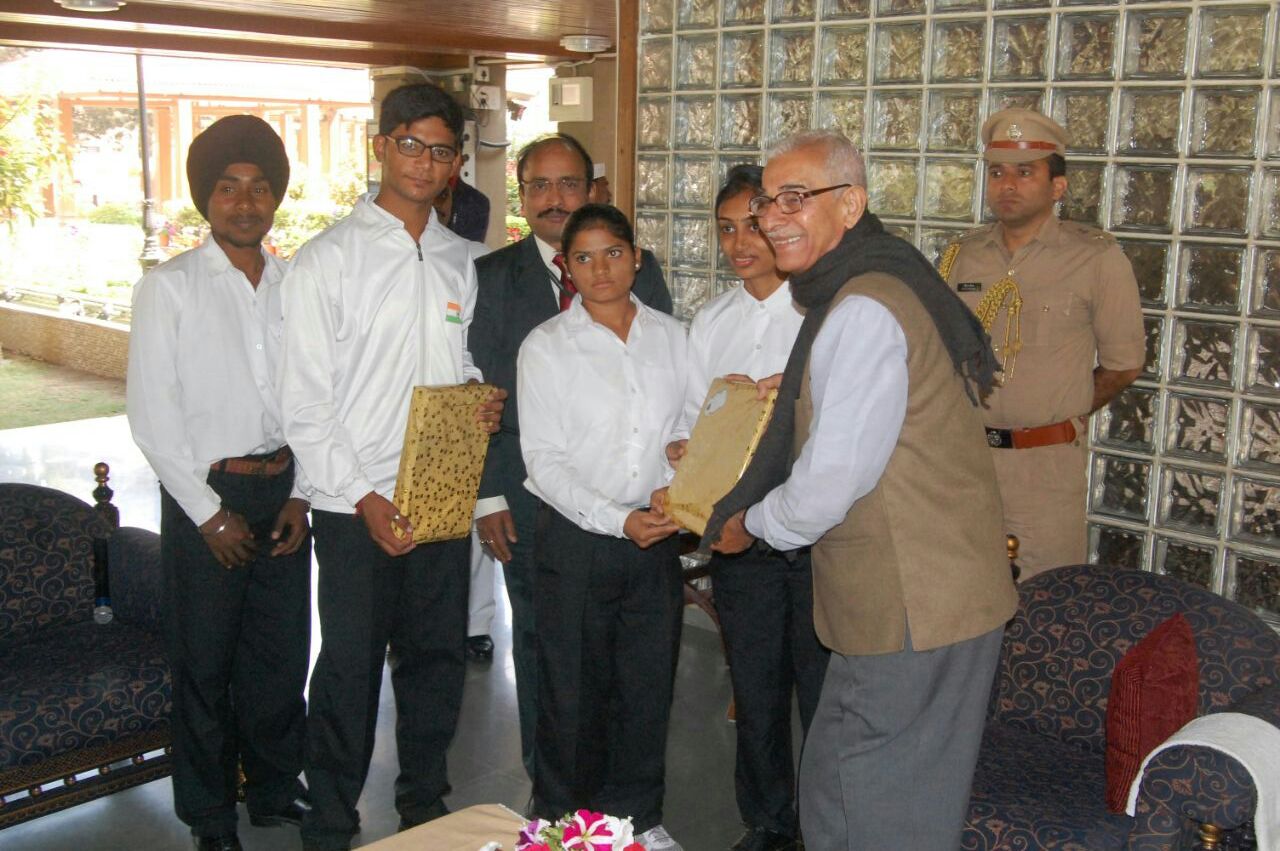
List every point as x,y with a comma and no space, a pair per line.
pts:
102,495
1210,837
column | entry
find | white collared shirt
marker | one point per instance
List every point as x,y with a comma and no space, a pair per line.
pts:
548,252
736,332
596,413
369,314
858,381
203,357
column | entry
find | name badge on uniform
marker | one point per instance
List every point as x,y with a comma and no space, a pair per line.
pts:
453,313
969,287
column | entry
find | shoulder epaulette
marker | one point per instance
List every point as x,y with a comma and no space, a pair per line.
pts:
1089,232
974,233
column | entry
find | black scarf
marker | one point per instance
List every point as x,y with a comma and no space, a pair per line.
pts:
866,247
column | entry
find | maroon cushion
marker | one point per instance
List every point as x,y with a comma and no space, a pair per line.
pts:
1153,694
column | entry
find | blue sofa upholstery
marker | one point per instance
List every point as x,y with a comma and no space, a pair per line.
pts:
1040,779
84,706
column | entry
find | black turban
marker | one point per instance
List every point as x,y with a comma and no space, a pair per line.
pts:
235,139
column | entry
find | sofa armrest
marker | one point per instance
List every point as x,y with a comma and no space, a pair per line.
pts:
1198,784
137,585
1185,785
1263,703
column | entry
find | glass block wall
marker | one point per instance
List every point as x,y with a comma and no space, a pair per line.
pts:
1174,114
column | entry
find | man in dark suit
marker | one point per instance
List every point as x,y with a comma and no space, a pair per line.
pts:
521,287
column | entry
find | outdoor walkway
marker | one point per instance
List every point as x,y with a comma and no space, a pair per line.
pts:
62,455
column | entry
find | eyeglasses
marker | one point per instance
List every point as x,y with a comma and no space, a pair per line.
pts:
566,185
414,148
790,201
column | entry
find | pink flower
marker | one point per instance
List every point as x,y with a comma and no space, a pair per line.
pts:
530,838
588,831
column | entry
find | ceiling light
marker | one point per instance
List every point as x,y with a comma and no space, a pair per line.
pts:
585,43
91,5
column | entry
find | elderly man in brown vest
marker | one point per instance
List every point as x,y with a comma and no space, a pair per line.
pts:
876,456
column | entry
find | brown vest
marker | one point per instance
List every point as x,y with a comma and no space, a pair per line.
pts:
925,547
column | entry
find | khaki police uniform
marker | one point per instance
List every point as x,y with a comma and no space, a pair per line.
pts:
1060,305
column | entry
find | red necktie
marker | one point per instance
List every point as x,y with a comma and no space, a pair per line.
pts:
567,289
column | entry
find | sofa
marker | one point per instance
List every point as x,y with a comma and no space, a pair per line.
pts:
84,701
1040,779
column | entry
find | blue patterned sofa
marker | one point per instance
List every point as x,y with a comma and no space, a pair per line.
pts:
84,706
1040,780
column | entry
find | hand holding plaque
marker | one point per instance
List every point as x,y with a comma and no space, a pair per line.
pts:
443,456
724,439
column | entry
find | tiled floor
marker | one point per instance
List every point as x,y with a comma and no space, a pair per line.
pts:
485,757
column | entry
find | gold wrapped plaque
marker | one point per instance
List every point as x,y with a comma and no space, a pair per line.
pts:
443,456
721,446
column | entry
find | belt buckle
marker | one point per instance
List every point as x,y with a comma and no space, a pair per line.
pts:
993,438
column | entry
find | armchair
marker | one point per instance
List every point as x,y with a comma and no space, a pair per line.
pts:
1040,778
84,705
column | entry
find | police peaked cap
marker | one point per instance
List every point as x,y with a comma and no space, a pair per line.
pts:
1022,135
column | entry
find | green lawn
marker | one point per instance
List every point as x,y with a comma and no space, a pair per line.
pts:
33,392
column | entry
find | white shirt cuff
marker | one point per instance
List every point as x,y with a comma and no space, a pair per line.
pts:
205,511
749,520
359,488
614,519
490,505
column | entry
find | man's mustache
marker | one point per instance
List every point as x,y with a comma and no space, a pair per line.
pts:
554,211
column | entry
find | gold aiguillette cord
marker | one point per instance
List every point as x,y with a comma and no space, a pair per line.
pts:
1005,294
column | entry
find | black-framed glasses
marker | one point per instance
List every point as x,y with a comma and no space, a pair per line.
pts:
566,185
414,148
789,201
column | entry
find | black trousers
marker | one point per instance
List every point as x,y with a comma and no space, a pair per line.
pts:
765,603
417,604
238,643
608,618
518,574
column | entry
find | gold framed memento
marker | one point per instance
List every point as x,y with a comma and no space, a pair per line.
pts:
723,441
440,465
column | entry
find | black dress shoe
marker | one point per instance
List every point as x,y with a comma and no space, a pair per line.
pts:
226,842
290,814
480,648
437,809
762,839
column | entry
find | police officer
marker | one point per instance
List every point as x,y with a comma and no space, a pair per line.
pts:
1061,304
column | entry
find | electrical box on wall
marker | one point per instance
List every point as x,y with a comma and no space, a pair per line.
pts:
570,99
468,172
485,97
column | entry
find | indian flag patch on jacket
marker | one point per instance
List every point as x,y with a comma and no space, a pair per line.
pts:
453,312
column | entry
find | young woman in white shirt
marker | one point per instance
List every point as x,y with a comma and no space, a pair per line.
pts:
764,597
601,387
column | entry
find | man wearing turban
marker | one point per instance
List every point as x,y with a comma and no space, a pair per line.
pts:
234,547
